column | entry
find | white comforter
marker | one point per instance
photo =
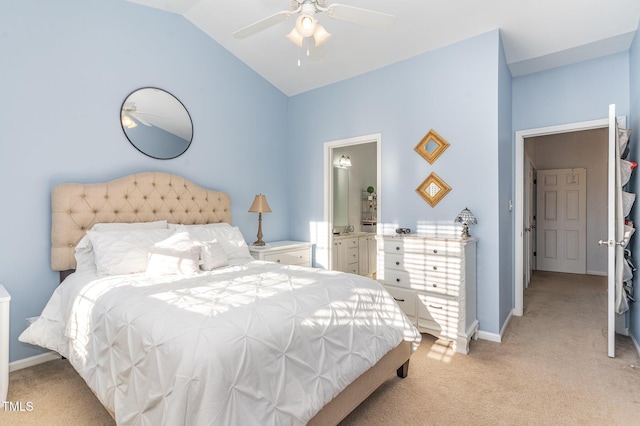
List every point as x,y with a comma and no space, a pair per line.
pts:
252,344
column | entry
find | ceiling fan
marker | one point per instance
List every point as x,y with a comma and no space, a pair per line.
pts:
308,26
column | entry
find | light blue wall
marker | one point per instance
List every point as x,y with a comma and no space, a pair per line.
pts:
572,93
453,90
66,68
634,155
505,189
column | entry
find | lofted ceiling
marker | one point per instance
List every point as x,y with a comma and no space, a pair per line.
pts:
536,34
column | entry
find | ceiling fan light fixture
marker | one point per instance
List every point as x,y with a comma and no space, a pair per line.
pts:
128,122
306,25
295,37
321,35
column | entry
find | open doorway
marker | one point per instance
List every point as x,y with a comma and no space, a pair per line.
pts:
521,177
568,205
364,155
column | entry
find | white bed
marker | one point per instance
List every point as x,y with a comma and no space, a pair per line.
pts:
161,341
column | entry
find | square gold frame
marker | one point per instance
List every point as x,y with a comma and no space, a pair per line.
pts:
433,189
431,156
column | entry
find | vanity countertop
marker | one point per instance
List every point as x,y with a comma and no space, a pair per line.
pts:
352,235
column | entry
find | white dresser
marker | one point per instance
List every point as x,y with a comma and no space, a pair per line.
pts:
5,299
433,280
286,252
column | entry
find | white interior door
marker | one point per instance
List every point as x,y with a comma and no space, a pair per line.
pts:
561,220
528,221
613,228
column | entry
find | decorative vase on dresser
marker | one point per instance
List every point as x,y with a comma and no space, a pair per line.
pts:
433,280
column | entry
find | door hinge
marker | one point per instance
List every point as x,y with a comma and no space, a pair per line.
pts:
534,253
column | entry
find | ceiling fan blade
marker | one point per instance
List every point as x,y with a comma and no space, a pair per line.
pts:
262,24
365,17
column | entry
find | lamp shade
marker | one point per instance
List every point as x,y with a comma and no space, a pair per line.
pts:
295,37
465,216
260,205
306,25
321,35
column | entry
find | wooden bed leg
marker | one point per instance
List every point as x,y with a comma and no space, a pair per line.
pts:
403,371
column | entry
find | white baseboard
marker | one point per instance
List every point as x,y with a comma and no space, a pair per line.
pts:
34,360
635,343
602,274
492,337
505,325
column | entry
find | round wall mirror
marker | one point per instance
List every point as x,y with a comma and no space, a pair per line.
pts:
156,123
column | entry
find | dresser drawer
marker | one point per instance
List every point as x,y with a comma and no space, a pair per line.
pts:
443,265
350,242
441,285
420,277
397,278
406,300
353,255
293,257
423,246
440,313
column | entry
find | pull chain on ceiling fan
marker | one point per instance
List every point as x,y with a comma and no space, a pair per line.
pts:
307,26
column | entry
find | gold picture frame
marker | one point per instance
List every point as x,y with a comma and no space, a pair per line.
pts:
431,146
433,189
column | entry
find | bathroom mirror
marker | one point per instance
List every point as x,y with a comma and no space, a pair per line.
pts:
156,123
340,197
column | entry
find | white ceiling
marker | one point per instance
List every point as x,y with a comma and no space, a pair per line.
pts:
537,34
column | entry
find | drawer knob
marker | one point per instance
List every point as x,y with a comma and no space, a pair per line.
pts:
435,251
398,300
278,260
397,280
397,263
435,285
435,268
397,248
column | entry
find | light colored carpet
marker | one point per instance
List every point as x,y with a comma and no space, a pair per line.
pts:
551,369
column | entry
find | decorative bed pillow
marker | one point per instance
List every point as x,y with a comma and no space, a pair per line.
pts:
213,255
85,259
230,237
124,252
175,255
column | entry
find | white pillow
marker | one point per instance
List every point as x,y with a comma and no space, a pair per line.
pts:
213,255
175,255
230,237
84,251
124,252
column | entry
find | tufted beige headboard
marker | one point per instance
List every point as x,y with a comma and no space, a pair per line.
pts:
142,197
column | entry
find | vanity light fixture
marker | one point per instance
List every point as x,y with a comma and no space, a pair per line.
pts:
344,161
260,206
466,218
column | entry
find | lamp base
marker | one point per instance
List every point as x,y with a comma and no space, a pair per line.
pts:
259,243
465,231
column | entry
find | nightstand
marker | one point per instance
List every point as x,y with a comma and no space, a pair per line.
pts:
5,298
286,252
